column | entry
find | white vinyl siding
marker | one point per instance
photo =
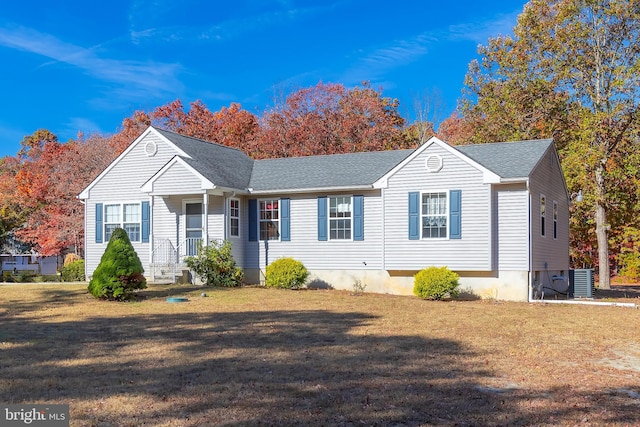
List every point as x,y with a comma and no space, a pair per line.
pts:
548,253
126,177
326,255
513,226
471,252
177,179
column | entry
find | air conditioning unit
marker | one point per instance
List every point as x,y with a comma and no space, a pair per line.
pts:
582,282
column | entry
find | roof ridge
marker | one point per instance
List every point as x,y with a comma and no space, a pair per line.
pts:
200,140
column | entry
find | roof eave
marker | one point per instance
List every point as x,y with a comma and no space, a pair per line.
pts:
311,190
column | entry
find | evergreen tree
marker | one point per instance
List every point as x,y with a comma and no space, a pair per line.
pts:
119,273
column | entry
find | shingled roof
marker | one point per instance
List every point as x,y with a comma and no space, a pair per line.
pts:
231,168
508,159
224,166
321,172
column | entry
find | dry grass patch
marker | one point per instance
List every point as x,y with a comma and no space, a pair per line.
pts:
254,356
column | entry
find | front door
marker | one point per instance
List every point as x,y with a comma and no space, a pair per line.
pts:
193,228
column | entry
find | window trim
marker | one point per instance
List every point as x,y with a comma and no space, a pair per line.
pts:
231,217
543,215
279,220
555,220
446,214
121,222
329,219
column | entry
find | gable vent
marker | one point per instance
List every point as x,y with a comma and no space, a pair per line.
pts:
151,149
433,163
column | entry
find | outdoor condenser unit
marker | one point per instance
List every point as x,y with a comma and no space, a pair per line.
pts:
582,282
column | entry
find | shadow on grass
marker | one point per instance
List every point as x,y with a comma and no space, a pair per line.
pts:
260,368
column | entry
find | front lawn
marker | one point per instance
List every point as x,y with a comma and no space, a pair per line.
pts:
254,356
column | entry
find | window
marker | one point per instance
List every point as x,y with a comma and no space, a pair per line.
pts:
131,221
234,218
269,220
340,210
434,215
126,216
542,215
555,219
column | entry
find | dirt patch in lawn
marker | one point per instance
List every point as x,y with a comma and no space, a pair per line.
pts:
255,356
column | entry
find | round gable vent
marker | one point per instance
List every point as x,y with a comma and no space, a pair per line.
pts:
151,148
433,163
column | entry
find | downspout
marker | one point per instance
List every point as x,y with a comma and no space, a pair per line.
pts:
530,296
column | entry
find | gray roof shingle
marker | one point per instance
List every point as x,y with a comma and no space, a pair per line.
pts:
508,159
338,170
232,168
224,166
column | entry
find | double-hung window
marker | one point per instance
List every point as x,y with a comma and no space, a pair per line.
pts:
269,219
555,219
340,214
434,215
126,216
234,218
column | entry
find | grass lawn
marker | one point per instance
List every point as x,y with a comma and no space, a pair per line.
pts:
256,356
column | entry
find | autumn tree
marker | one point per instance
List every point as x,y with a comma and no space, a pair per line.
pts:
329,119
12,215
571,71
231,126
51,175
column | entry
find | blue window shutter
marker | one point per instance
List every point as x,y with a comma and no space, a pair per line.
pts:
455,214
98,222
253,220
358,217
322,218
146,223
285,220
414,215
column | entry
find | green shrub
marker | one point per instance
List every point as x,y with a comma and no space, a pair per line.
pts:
73,272
286,273
436,283
215,265
120,271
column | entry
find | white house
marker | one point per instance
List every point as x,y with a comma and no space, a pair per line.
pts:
497,214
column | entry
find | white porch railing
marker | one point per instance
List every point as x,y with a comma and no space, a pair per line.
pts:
189,247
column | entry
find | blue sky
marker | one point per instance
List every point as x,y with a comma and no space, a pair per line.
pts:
70,66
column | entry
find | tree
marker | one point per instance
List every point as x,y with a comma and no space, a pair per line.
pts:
120,271
49,177
330,119
570,71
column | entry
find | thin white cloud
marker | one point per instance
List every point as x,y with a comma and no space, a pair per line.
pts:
229,29
480,32
152,78
374,65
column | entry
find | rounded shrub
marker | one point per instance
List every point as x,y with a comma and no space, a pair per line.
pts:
215,265
119,273
436,283
73,272
286,273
